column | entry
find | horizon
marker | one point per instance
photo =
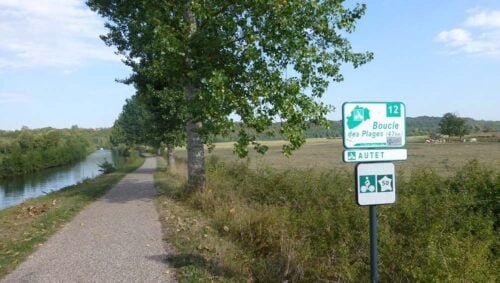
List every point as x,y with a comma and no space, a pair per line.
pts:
106,128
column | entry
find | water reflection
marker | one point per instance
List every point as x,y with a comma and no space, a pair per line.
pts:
15,191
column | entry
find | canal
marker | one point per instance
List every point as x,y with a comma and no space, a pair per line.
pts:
15,191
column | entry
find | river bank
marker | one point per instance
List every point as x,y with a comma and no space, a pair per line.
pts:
15,190
26,226
27,151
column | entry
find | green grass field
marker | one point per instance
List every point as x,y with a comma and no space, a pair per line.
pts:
326,154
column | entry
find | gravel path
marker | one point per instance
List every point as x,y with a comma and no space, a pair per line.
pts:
115,239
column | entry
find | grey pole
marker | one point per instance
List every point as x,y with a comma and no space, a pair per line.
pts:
373,244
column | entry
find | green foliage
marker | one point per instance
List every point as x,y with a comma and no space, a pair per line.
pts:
106,167
144,121
130,127
304,226
433,235
453,125
27,151
259,60
482,186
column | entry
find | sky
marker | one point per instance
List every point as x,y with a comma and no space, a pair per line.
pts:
435,56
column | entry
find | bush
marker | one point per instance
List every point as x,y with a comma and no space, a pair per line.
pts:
106,167
304,225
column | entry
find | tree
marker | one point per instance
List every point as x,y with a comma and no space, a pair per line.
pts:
258,60
453,125
130,127
167,117
145,120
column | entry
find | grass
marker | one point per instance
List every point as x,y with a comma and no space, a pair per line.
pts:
28,225
257,223
326,154
201,255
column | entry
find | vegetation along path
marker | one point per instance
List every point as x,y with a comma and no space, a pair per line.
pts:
115,239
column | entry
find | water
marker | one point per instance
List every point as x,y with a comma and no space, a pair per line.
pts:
15,191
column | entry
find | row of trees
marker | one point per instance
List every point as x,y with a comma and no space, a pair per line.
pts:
142,123
199,64
27,151
131,125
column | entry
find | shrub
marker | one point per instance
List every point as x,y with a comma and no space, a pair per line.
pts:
106,167
304,225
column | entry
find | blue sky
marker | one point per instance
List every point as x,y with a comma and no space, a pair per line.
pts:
435,56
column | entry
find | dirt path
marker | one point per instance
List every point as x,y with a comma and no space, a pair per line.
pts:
115,239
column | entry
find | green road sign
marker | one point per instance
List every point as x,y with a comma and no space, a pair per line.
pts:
374,124
375,183
384,183
374,155
367,184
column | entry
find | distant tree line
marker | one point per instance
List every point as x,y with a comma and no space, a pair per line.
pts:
425,125
26,151
332,130
136,123
416,126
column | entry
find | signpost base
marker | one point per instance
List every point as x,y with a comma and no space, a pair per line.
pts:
373,244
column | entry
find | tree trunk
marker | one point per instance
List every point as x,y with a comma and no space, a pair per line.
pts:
195,149
170,156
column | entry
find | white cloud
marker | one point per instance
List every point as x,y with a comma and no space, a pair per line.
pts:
49,33
455,36
8,98
479,35
486,19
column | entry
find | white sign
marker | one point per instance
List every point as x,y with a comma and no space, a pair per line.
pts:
374,155
374,124
375,183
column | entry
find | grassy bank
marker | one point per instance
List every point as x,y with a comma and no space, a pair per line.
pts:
271,225
26,226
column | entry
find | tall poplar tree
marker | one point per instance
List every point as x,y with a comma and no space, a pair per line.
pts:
257,60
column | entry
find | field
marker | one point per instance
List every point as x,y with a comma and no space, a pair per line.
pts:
326,154
276,219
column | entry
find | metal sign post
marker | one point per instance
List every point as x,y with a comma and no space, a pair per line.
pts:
373,244
375,184
374,132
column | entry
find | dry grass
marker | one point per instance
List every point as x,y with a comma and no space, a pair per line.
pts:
325,154
197,251
294,225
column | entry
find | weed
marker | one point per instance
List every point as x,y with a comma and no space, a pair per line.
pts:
301,225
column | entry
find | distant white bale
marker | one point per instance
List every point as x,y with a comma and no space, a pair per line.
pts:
473,140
